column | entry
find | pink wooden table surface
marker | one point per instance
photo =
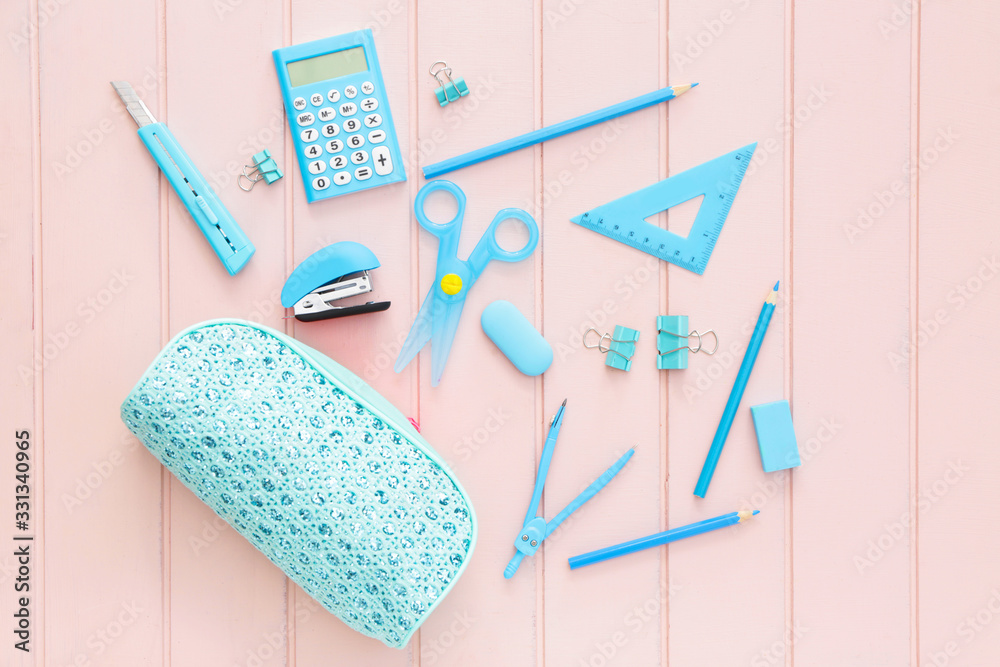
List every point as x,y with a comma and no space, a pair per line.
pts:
872,197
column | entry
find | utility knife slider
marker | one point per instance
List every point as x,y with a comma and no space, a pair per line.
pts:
336,272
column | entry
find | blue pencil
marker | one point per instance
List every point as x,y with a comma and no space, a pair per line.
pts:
656,540
736,395
557,130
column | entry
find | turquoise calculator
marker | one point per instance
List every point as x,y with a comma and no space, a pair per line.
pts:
339,115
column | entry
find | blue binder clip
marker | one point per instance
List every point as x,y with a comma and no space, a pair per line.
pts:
673,344
449,90
263,168
618,346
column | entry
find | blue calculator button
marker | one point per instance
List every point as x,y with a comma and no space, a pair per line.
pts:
316,99
363,173
355,141
373,120
334,146
299,103
338,162
348,109
305,119
309,134
351,92
369,105
331,130
341,178
376,136
321,183
333,95
359,157
367,88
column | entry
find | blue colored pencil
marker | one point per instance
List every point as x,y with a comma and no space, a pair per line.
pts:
736,395
557,130
656,540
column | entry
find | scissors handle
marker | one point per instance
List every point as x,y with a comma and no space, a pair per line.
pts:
437,229
488,248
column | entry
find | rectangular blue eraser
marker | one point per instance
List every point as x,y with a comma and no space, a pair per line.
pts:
775,436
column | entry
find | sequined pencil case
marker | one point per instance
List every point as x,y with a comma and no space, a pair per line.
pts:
313,467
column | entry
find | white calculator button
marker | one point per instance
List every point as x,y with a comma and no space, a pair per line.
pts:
334,146
317,167
338,162
367,88
352,125
359,157
382,159
313,151
351,92
355,141
363,173
342,178
327,114
309,134
305,119
321,183
316,99
348,109
373,120
333,95
376,136
299,103
369,105
331,130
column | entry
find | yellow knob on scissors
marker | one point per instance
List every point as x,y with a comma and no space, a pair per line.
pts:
451,284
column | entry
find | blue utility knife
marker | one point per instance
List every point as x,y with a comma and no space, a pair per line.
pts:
216,223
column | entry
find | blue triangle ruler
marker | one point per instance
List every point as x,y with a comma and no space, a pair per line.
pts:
624,219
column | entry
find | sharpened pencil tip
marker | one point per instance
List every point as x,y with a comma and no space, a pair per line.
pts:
756,512
776,285
693,85
680,90
564,402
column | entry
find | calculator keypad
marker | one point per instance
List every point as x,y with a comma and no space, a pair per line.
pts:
345,157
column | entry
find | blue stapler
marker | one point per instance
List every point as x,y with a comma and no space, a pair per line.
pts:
336,272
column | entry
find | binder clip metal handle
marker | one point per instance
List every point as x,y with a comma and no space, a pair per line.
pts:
618,346
263,168
450,89
671,329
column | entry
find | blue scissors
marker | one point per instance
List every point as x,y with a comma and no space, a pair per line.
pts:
442,308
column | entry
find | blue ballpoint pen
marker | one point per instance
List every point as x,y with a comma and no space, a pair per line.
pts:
216,223
535,528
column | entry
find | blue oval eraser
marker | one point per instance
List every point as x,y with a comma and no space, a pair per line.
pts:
517,339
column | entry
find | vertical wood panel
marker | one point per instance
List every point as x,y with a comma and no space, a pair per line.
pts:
100,235
223,106
733,579
594,55
957,362
18,226
851,274
482,417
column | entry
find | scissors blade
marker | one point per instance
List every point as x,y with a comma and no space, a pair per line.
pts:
446,317
419,334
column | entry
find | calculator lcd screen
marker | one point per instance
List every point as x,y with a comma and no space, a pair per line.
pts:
327,66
